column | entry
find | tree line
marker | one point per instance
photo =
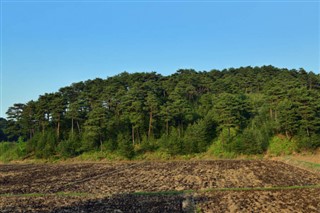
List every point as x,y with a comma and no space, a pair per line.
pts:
240,110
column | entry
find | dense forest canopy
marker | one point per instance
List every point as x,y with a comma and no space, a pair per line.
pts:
242,110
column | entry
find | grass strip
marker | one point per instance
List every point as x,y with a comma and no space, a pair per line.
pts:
227,189
62,194
77,194
306,164
164,192
261,188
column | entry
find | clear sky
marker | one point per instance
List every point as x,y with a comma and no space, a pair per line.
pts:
51,44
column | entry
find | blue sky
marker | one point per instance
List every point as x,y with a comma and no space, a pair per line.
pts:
50,44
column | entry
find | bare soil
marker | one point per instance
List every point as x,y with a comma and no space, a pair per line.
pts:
159,187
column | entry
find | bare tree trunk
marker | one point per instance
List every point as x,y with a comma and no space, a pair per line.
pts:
78,127
58,130
132,134
42,128
72,127
138,139
150,125
287,134
100,142
167,127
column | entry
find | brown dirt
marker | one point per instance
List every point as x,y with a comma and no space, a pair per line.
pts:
112,187
293,201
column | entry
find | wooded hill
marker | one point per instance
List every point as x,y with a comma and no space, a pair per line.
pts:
247,110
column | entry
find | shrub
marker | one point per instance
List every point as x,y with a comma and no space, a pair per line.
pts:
218,149
125,146
45,145
12,150
308,143
280,145
69,148
173,143
147,145
198,136
109,145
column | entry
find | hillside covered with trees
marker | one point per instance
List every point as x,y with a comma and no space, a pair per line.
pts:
248,110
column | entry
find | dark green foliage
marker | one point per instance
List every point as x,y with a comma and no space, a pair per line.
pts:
69,147
3,126
148,144
46,145
198,136
238,111
42,145
255,137
125,146
110,145
310,142
32,143
173,144
94,128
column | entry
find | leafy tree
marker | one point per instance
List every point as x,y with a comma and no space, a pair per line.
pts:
3,126
287,118
13,126
179,108
230,111
58,107
94,128
152,104
199,135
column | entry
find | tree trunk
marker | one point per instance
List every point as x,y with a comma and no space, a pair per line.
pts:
30,132
79,130
132,132
150,125
42,128
58,130
287,134
180,129
167,127
72,127
137,135
100,142
271,116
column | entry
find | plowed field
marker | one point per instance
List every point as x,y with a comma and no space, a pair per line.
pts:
179,186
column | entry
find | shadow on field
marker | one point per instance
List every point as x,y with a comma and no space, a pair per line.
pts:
134,203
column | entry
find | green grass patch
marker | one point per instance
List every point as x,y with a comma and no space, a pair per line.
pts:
99,155
281,146
72,194
10,151
309,164
303,164
163,193
23,195
67,194
261,188
226,189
